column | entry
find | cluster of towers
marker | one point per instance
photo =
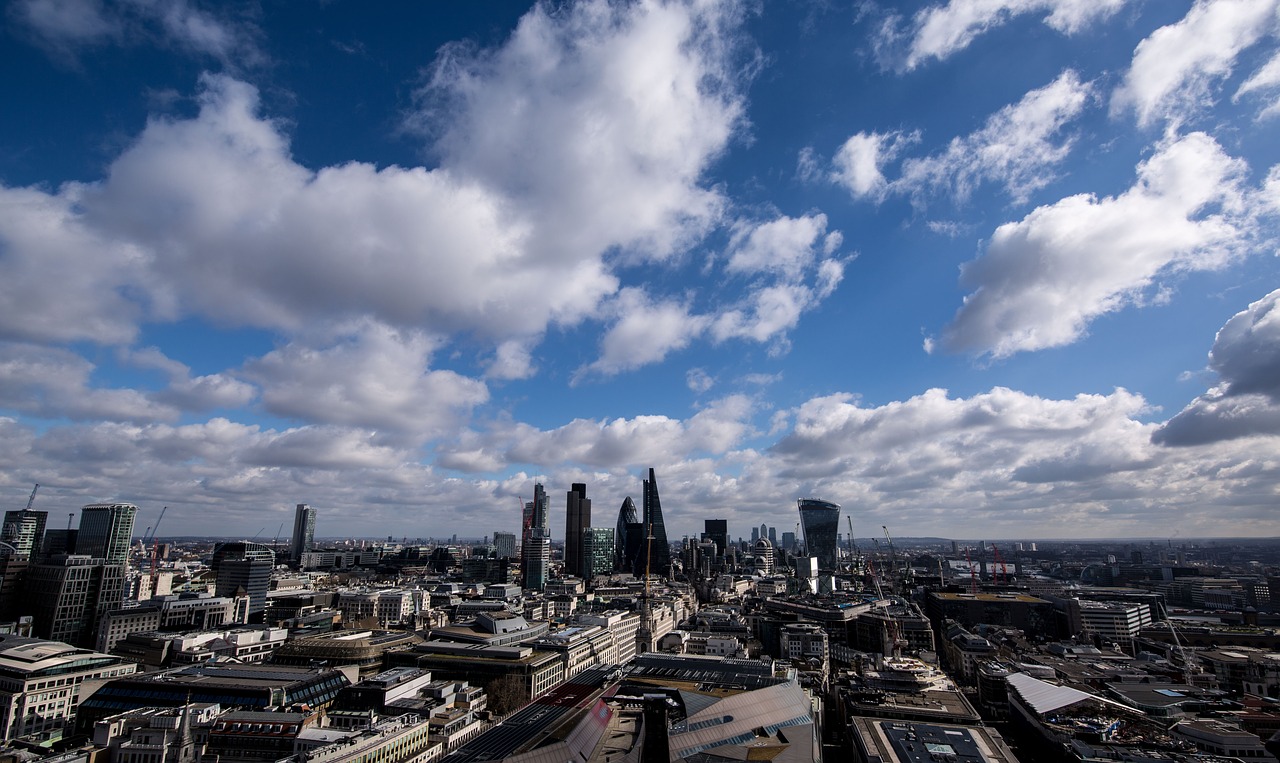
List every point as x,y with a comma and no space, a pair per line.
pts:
636,544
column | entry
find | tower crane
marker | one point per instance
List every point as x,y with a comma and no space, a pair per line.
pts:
893,555
31,501
155,551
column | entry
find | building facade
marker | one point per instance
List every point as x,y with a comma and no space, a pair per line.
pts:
106,530
820,521
304,532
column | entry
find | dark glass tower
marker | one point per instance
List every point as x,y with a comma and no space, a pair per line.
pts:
656,557
577,518
247,565
717,531
106,530
821,523
628,537
304,532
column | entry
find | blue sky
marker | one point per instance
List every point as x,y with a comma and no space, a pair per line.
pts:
999,269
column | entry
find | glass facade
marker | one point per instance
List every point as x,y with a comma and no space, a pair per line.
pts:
820,521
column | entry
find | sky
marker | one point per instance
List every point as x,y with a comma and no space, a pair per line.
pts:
974,269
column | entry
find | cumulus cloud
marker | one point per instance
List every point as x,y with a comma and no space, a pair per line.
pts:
619,111
1017,147
200,393
941,30
1043,279
1246,399
53,383
622,443
1175,69
646,332
374,377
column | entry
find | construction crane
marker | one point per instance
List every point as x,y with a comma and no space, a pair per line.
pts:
1004,570
853,547
893,555
155,552
31,501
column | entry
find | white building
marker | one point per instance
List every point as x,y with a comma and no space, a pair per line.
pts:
40,682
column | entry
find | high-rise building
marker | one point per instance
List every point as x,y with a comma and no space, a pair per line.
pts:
304,532
655,558
535,545
773,537
24,530
241,564
628,537
577,519
717,531
504,545
70,593
106,531
820,521
789,542
597,551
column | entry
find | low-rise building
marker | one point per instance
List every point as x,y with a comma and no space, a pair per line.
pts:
41,683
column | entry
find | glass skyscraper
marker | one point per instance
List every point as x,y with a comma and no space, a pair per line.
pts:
106,530
656,558
820,521
304,532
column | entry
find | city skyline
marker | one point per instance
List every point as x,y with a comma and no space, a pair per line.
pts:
999,270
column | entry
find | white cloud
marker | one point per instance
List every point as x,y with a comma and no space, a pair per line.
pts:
698,380
598,121
374,377
201,393
1246,401
621,109
1175,69
645,332
1265,80
857,164
1043,279
785,246
622,443
939,31
1017,147
64,26
53,384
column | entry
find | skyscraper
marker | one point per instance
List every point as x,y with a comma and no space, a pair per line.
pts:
821,523
717,531
597,552
656,556
577,519
246,565
106,530
304,532
24,530
628,537
535,544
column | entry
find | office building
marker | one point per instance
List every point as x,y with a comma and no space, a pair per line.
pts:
597,552
628,537
820,521
69,594
24,530
43,680
717,531
535,549
304,532
577,519
106,530
241,564
504,545
655,558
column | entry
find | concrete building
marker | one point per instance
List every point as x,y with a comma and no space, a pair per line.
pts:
504,545
181,612
885,741
69,594
41,681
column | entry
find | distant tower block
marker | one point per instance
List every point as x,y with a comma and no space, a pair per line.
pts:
304,532
820,521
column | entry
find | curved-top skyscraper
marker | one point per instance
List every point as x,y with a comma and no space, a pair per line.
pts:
820,521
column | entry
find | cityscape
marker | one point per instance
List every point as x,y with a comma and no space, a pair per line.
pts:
640,381
800,642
